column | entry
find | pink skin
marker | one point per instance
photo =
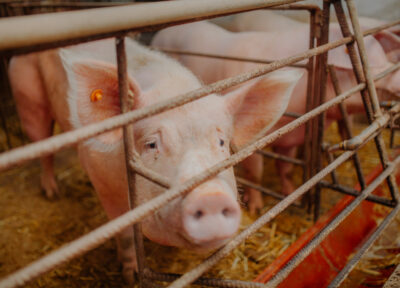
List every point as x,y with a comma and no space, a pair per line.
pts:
209,38
177,144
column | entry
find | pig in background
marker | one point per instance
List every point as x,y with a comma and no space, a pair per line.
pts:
60,85
268,21
205,37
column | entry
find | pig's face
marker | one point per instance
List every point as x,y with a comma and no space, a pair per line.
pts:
179,145
183,142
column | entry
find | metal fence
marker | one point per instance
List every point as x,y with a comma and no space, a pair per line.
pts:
26,34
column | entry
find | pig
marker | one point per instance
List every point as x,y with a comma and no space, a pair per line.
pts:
206,37
268,21
77,86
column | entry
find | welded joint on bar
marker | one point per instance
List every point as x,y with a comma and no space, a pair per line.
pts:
156,178
356,141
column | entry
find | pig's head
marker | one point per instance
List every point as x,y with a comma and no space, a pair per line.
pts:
382,49
183,142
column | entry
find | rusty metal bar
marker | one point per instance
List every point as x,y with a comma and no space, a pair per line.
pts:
55,143
357,257
319,98
223,57
127,103
314,15
346,125
20,32
264,190
277,156
364,58
300,256
330,158
6,87
224,283
111,228
356,193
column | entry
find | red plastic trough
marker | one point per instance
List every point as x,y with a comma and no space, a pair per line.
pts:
324,262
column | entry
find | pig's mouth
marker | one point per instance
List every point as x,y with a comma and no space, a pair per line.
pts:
202,246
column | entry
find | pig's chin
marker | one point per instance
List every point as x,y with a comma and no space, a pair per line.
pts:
157,231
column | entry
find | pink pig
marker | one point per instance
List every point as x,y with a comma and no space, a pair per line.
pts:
178,144
209,38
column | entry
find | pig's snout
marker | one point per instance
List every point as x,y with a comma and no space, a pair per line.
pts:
210,217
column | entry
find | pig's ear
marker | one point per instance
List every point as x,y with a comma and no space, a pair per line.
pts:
258,105
390,43
94,95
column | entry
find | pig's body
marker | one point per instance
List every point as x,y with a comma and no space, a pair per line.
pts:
178,144
268,21
208,38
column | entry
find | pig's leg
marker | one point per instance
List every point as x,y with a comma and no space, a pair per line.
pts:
253,169
34,112
284,168
47,177
127,254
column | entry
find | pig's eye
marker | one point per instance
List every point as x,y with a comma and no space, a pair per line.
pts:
151,145
221,142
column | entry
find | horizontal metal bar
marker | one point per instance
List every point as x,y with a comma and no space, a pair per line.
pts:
55,143
301,255
361,251
80,5
17,32
223,57
264,190
225,283
298,6
281,157
356,193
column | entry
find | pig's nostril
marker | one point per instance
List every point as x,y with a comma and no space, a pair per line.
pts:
226,212
198,214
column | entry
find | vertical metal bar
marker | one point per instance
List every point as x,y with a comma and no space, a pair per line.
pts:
346,126
320,98
371,109
330,158
3,101
127,103
309,105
